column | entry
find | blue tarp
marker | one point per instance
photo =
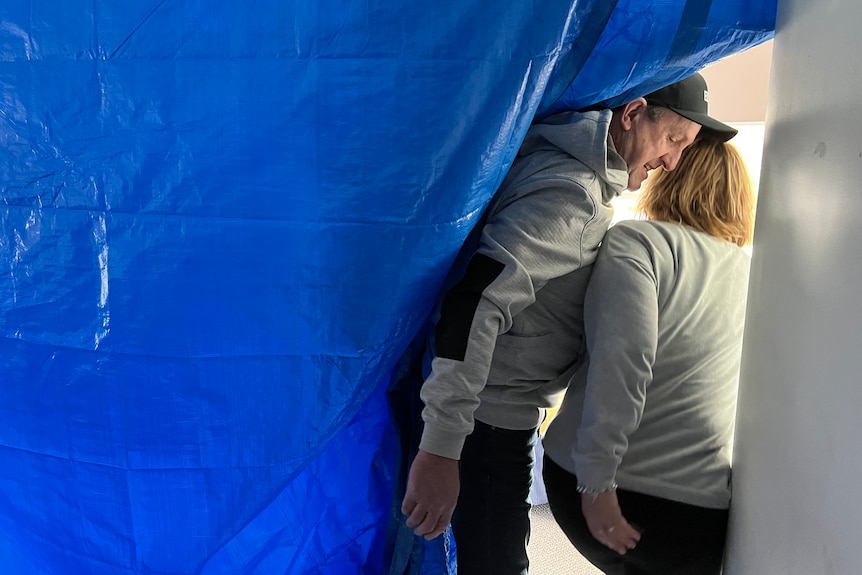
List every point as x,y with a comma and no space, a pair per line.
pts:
221,227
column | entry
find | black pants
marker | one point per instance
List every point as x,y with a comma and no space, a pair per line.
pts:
492,520
677,539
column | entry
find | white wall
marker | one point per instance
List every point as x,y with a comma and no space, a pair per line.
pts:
797,506
739,85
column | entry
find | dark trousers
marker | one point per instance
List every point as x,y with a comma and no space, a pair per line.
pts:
492,520
676,538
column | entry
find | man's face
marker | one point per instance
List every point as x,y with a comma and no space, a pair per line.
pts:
646,144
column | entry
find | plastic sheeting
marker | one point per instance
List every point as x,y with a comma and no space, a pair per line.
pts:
221,225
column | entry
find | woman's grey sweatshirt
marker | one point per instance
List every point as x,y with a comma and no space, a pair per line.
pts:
510,332
653,408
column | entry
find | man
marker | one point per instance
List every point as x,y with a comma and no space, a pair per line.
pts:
510,332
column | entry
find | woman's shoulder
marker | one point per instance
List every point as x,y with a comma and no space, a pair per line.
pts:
634,239
668,238
654,237
638,230
668,231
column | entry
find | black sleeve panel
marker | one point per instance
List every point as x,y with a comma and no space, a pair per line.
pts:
459,306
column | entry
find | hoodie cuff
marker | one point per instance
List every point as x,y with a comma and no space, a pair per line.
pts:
594,476
594,493
438,441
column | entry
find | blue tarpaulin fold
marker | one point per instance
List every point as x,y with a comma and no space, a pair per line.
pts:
221,227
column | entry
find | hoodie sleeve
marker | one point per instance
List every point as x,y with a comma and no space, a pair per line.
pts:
621,326
526,241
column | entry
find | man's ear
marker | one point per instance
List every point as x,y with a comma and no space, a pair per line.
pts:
631,111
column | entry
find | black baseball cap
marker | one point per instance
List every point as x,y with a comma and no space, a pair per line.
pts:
689,98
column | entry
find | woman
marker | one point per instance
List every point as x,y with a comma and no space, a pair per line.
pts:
644,434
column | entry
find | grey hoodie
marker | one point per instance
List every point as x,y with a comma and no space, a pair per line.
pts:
510,333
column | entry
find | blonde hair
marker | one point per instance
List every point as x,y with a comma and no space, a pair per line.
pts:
710,190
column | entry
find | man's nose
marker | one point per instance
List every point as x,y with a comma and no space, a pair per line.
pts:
670,160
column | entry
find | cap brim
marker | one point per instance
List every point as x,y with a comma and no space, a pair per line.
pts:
722,131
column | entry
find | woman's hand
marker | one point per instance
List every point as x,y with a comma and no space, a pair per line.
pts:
606,522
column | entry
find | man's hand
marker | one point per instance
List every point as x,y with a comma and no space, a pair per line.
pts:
432,492
606,522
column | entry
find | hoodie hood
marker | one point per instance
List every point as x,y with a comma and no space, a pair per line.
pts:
585,137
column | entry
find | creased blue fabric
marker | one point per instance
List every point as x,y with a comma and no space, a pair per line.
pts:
222,229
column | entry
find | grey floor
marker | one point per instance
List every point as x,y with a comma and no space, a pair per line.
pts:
549,550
